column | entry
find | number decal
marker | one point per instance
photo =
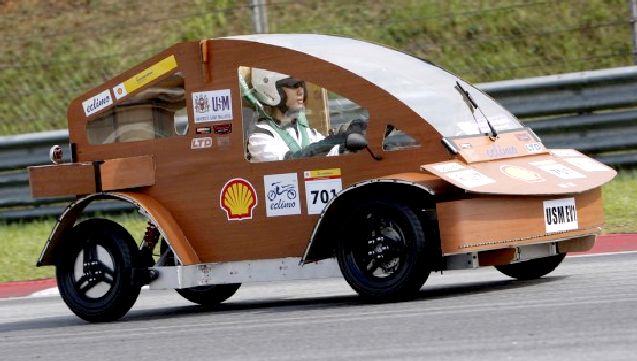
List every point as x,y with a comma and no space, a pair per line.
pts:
320,187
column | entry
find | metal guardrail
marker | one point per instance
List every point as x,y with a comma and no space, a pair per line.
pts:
594,112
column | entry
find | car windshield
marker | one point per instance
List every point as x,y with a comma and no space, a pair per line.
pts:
427,89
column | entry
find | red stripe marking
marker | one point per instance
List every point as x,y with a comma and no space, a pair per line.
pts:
25,288
612,243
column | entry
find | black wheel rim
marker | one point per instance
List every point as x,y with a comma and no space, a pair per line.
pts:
382,250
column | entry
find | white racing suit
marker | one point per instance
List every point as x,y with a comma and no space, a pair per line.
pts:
265,144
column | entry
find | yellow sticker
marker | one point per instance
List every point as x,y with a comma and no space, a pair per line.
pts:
151,73
323,173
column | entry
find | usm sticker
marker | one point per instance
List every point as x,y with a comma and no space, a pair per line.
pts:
238,198
560,215
95,104
212,106
281,194
144,77
320,187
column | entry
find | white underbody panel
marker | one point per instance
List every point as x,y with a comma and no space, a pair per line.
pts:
288,269
283,269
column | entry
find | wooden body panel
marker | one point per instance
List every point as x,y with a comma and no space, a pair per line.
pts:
188,182
186,190
124,173
543,174
62,180
168,226
498,222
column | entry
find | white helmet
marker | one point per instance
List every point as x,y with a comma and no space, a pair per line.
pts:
264,83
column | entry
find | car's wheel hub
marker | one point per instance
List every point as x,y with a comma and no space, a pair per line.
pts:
93,271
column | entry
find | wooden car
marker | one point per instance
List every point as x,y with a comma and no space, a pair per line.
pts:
280,157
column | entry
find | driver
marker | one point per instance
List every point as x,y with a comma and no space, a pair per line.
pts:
285,133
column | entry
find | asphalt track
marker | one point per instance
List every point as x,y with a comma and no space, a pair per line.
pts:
585,310
605,244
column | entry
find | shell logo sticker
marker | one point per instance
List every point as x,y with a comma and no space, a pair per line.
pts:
521,173
238,198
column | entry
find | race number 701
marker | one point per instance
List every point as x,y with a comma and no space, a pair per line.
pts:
319,192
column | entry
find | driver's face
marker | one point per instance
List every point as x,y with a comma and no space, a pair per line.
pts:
294,97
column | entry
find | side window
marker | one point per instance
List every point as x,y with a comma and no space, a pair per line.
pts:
396,139
158,111
289,118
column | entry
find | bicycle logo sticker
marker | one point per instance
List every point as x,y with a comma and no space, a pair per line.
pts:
281,194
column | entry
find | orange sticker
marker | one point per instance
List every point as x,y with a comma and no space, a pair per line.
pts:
521,173
238,198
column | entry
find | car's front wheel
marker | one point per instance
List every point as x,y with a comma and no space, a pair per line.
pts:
95,271
383,257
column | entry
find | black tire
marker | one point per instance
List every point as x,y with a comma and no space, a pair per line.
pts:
384,257
532,269
95,271
209,295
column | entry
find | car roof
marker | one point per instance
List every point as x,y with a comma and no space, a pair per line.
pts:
427,89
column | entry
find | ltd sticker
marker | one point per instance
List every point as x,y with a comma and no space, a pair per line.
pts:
212,106
201,143
238,198
560,215
320,187
281,194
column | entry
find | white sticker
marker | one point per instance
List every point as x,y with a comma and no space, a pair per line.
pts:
470,178
98,102
560,215
561,171
539,163
587,164
320,187
565,153
281,194
201,143
120,91
212,106
447,167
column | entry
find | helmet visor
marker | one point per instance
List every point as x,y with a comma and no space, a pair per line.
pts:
291,83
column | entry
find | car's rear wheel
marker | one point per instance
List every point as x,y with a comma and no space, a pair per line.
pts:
384,255
532,269
209,295
95,273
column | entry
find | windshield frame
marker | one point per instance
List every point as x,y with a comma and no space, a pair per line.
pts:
427,89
